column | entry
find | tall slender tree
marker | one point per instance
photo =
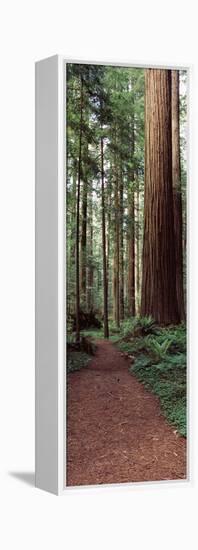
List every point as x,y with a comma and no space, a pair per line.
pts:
131,227
177,192
121,247
105,283
137,242
78,215
90,271
131,251
83,239
117,248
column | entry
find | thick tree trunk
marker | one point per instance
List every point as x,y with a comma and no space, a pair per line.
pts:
105,284
177,196
78,217
159,297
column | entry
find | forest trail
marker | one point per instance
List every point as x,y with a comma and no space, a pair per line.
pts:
116,430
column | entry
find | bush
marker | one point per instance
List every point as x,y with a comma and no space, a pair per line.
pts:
138,326
76,360
144,326
87,319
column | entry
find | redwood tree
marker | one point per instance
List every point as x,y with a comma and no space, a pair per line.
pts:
78,216
137,243
117,248
121,249
131,250
131,218
177,196
159,297
90,273
83,243
105,283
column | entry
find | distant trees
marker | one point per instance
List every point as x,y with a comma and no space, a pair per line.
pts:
125,194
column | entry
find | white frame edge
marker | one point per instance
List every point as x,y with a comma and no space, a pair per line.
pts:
50,306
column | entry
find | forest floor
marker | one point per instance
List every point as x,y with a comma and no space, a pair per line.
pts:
116,430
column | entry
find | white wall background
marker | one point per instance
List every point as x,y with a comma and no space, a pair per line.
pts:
152,517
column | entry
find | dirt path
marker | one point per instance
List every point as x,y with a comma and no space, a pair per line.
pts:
116,431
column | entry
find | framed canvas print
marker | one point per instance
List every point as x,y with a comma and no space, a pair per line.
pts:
111,273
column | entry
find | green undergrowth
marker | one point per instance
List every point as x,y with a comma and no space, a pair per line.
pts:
128,328
98,334
76,360
159,362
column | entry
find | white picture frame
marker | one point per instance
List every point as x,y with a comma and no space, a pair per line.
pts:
50,307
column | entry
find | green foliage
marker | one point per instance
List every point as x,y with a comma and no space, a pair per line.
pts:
138,326
176,336
76,360
133,345
145,325
99,333
93,333
158,349
160,364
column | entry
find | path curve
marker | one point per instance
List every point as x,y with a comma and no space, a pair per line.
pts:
116,431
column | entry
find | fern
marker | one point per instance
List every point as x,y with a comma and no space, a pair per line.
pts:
159,350
160,364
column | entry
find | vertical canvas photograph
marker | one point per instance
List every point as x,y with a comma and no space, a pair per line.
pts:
126,266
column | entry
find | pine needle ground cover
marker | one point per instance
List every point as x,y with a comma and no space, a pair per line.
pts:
159,362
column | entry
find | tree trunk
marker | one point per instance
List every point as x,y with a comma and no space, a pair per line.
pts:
177,196
121,250
159,297
105,285
131,224
78,217
83,245
71,244
131,217
137,246
90,266
109,238
117,250
131,253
